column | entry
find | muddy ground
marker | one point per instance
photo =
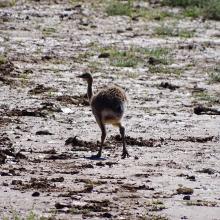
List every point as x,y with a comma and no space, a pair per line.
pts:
48,132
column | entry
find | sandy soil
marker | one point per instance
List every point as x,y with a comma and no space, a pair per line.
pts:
174,168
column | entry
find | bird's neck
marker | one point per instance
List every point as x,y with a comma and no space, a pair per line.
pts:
89,90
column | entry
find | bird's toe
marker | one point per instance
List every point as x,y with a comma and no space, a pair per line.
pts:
125,154
96,156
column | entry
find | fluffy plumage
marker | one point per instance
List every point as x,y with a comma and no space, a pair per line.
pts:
108,106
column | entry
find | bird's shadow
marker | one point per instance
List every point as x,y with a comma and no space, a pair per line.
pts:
95,158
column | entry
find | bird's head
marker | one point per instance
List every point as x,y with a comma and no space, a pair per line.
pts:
86,76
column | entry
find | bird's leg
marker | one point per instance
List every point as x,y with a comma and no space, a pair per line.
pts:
103,136
122,132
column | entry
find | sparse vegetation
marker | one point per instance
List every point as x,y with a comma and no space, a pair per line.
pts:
115,8
215,75
173,31
194,8
161,54
201,203
121,58
3,59
29,216
152,14
160,69
206,97
7,3
155,205
135,55
193,12
48,31
118,8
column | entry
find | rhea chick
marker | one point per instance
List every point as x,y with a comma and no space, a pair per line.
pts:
108,107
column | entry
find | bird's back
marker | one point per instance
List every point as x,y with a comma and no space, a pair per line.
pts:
109,102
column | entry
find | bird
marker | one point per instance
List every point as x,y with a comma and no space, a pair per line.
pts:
108,107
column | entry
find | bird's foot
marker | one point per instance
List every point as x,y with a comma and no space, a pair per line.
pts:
96,156
125,154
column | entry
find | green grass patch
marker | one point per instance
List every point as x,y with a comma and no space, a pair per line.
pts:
161,54
135,56
173,31
184,3
155,205
201,203
30,216
152,13
193,12
120,58
123,59
120,8
115,8
195,8
214,77
48,31
7,3
3,59
160,69
206,97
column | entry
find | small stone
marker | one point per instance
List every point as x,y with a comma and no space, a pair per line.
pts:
191,178
104,55
58,179
136,157
184,190
35,194
4,184
43,132
100,164
16,182
107,215
186,197
207,170
89,166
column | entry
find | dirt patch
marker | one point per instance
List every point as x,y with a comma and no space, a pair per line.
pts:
74,100
201,110
80,145
41,89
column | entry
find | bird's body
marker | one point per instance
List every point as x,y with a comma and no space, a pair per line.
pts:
109,103
108,106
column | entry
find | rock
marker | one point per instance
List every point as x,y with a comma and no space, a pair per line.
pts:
35,194
107,215
185,190
2,158
4,184
167,85
191,178
186,197
58,179
100,164
207,170
43,132
153,61
16,182
89,166
104,55
61,205
88,188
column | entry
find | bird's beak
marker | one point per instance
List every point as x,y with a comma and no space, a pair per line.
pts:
79,76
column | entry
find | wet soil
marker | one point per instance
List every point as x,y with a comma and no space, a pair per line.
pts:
48,132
